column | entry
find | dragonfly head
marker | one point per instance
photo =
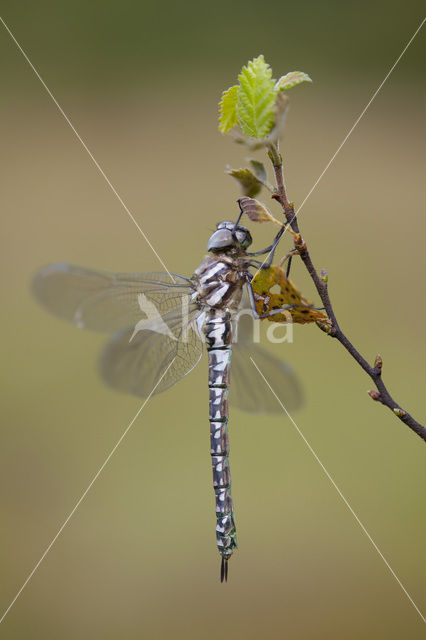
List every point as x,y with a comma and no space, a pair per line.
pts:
229,236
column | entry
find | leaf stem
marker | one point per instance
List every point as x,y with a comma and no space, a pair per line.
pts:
375,372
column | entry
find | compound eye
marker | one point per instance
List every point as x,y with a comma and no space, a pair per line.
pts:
244,238
226,225
221,239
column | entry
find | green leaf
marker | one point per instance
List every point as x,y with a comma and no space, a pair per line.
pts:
248,182
228,109
256,98
258,169
291,80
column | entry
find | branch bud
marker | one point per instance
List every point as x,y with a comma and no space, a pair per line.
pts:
299,243
324,326
275,157
378,363
374,395
400,412
323,275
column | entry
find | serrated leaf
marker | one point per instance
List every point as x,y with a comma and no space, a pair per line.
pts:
256,98
259,170
249,184
291,80
228,109
256,211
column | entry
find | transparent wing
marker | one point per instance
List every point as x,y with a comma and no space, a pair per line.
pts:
136,364
155,342
104,301
248,391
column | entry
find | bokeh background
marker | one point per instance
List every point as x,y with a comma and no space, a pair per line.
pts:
140,82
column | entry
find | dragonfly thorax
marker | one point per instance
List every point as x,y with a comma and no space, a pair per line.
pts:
219,282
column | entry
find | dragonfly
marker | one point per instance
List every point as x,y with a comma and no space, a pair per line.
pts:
160,324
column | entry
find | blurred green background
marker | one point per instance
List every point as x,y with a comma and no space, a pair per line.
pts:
140,82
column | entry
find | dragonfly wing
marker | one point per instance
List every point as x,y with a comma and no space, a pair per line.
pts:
248,391
104,301
136,363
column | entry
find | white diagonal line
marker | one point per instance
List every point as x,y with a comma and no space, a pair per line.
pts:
339,148
361,115
84,494
341,495
84,145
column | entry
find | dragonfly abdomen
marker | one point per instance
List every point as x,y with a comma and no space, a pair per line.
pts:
218,333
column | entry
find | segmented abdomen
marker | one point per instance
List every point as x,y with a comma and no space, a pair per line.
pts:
218,333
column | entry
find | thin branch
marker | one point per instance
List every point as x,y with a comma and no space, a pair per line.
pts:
375,372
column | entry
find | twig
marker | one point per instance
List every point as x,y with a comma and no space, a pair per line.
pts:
375,372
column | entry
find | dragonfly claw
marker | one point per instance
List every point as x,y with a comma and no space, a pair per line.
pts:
224,570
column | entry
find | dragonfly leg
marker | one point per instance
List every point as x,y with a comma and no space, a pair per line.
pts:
274,311
270,249
289,257
224,570
239,217
270,313
255,263
287,271
262,251
274,247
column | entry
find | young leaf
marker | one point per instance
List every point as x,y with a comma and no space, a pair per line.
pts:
228,109
256,211
256,98
249,184
291,80
259,170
